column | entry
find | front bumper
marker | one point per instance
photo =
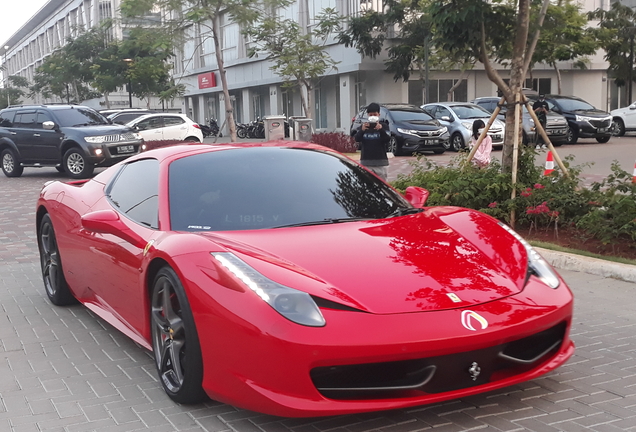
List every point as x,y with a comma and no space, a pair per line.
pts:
587,130
259,361
413,143
106,155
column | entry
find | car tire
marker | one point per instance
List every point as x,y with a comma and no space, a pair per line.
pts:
76,165
394,147
55,285
439,151
241,133
603,139
618,127
457,142
573,135
175,342
192,140
10,165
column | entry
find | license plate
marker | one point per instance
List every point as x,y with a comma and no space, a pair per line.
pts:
601,130
432,142
496,137
125,149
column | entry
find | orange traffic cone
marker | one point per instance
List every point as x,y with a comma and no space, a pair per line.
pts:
634,178
549,164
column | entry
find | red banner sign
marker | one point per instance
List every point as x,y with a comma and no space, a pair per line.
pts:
207,80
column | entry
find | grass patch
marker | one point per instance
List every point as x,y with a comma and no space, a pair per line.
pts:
554,247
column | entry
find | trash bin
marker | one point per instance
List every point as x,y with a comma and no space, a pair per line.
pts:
274,127
302,129
292,126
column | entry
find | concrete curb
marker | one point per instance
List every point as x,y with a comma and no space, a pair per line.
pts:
595,266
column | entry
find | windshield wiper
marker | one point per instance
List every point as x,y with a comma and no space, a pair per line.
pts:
403,211
326,221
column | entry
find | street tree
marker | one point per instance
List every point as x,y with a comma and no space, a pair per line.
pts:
615,32
564,37
15,90
298,56
60,76
181,15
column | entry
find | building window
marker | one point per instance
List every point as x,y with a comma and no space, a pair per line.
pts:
229,38
540,85
438,90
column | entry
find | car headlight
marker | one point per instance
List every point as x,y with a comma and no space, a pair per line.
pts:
96,139
137,135
468,125
583,118
537,265
443,130
294,305
407,131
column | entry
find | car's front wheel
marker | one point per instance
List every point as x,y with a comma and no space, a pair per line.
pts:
603,139
573,136
618,127
457,142
394,147
76,165
10,165
175,342
55,284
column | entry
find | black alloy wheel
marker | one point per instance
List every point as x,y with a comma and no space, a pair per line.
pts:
573,136
55,284
394,147
175,342
10,165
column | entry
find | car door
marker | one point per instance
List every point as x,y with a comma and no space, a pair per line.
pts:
115,263
23,132
151,129
46,142
629,115
174,128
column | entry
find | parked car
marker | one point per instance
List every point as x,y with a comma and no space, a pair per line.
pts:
458,117
556,124
127,115
167,127
584,120
73,138
411,128
194,252
624,120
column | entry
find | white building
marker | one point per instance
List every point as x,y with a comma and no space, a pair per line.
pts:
256,91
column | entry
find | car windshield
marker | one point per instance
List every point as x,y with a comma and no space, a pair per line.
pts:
269,187
79,116
469,111
574,105
409,115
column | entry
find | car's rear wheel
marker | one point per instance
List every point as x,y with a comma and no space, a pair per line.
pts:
192,140
457,142
603,139
76,165
175,342
573,135
10,165
618,127
57,289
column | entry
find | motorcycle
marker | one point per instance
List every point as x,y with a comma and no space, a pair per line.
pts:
215,130
241,130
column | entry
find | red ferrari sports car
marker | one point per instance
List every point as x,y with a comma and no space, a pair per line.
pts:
287,279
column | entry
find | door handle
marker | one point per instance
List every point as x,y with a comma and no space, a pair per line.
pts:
13,133
36,134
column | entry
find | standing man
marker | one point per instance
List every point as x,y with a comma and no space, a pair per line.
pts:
541,108
373,136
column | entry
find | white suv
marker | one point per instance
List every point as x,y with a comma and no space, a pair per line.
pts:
167,127
624,119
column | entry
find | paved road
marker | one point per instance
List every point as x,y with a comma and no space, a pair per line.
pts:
65,370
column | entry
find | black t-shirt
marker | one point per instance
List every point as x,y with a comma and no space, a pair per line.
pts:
373,145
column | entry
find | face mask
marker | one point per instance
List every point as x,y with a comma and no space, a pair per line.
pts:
374,119
480,131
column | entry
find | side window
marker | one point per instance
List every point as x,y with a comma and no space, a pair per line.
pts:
443,112
25,119
134,192
151,123
6,118
172,121
42,117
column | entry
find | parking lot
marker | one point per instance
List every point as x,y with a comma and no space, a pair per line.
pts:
64,369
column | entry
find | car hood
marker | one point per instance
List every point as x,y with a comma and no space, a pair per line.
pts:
420,124
442,258
591,113
101,130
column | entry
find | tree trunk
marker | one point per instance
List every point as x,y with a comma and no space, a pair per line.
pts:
229,110
449,96
106,100
558,73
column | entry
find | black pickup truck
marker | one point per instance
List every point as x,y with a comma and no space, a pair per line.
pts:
73,138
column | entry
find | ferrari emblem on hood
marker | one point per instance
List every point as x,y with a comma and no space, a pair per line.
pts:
469,316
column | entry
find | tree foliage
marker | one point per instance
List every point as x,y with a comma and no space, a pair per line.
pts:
296,55
182,15
12,94
615,34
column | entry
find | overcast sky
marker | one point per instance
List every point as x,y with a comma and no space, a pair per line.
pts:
14,14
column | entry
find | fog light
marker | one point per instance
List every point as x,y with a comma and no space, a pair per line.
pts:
143,147
98,152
